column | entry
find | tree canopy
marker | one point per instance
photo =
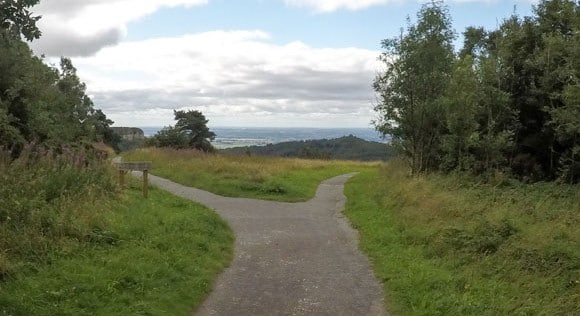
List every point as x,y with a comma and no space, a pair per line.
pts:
16,19
507,101
190,131
40,103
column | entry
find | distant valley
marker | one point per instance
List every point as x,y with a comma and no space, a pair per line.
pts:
249,136
343,148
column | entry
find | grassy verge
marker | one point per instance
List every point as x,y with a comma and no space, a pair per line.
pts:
145,257
279,179
449,246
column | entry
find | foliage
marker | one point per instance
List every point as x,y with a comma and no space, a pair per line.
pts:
190,131
279,179
16,19
41,104
155,256
508,100
344,148
418,65
451,245
169,137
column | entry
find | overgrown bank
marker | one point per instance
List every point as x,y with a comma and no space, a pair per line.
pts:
443,245
72,244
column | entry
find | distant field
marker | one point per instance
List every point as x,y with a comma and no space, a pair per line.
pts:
280,179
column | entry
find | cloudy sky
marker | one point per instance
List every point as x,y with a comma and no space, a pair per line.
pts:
267,63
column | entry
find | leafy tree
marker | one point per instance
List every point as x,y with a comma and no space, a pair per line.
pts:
16,19
42,104
564,80
461,107
474,42
190,131
418,66
194,124
508,102
170,137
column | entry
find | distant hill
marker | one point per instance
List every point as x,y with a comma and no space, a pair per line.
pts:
344,148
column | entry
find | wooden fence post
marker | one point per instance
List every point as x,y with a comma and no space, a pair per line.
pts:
145,183
143,166
122,179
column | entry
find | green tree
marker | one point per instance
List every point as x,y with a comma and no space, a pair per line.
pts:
42,104
461,107
16,19
418,67
496,119
194,124
170,137
560,21
190,131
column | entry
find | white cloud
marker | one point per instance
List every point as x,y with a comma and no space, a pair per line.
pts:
82,27
326,6
333,5
234,77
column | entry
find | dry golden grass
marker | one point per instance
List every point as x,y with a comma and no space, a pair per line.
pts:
286,179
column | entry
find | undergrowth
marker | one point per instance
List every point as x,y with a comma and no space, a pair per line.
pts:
72,243
50,201
450,245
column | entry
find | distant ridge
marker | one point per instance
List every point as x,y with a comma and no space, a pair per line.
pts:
343,148
129,133
131,137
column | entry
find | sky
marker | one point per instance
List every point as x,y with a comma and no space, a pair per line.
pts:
242,63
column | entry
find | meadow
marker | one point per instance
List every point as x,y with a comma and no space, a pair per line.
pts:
278,179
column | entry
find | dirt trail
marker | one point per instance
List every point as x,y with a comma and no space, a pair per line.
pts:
289,258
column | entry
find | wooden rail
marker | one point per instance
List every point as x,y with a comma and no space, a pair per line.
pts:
142,166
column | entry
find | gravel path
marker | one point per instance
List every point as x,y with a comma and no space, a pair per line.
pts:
289,258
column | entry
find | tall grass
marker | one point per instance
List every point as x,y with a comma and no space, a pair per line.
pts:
71,243
449,245
157,256
48,201
282,179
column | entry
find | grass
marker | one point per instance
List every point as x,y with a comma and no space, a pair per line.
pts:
47,200
446,245
279,179
91,250
441,244
159,257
